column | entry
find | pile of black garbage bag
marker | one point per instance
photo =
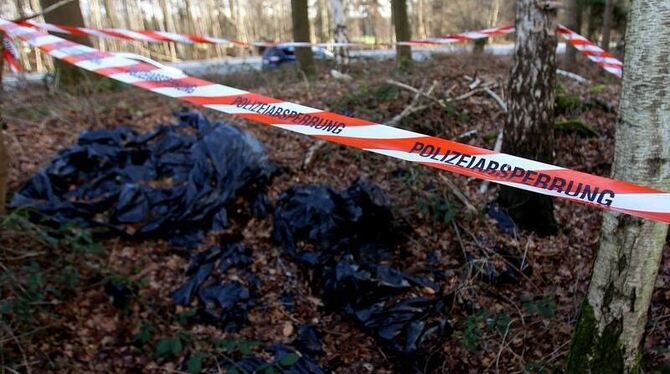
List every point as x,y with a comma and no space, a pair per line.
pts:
348,237
174,183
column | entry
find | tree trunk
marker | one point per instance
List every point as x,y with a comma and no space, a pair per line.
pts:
402,34
340,21
301,34
69,14
570,19
529,126
4,157
609,332
607,24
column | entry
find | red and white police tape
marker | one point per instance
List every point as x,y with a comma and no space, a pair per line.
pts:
10,54
463,37
583,45
390,141
143,36
594,53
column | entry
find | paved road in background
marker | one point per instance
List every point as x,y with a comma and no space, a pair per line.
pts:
233,65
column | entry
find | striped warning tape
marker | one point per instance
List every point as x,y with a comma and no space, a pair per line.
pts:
594,53
143,36
466,36
402,144
601,57
10,54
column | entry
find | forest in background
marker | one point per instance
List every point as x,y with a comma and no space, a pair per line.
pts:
367,21
132,250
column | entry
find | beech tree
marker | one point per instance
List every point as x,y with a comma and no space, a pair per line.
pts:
611,323
301,34
402,33
529,126
67,14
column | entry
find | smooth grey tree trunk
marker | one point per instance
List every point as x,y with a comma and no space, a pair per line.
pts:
611,325
530,118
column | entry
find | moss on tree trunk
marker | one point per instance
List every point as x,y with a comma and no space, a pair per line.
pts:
611,327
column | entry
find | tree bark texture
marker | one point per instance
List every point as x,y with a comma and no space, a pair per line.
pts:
611,325
68,14
607,24
529,126
301,34
340,31
570,20
4,156
402,34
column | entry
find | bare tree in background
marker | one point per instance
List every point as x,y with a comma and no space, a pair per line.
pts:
607,24
402,34
530,120
68,14
340,23
4,159
570,20
301,34
611,325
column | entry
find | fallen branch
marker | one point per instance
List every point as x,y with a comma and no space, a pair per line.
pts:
459,194
570,75
46,10
416,91
467,134
413,107
497,98
311,153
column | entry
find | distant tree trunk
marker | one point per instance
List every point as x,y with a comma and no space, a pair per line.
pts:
4,156
340,21
529,127
570,20
402,34
607,24
68,14
611,324
301,34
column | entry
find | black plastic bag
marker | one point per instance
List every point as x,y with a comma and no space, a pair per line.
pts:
173,183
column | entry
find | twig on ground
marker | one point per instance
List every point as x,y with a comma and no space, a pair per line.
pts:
459,194
467,134
497,98
416,91
570,75
412,108
311,153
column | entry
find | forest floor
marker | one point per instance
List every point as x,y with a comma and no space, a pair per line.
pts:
518,326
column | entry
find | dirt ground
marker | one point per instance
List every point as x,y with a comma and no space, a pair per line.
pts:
522,326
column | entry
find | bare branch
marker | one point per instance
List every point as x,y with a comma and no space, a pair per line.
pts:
46,10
